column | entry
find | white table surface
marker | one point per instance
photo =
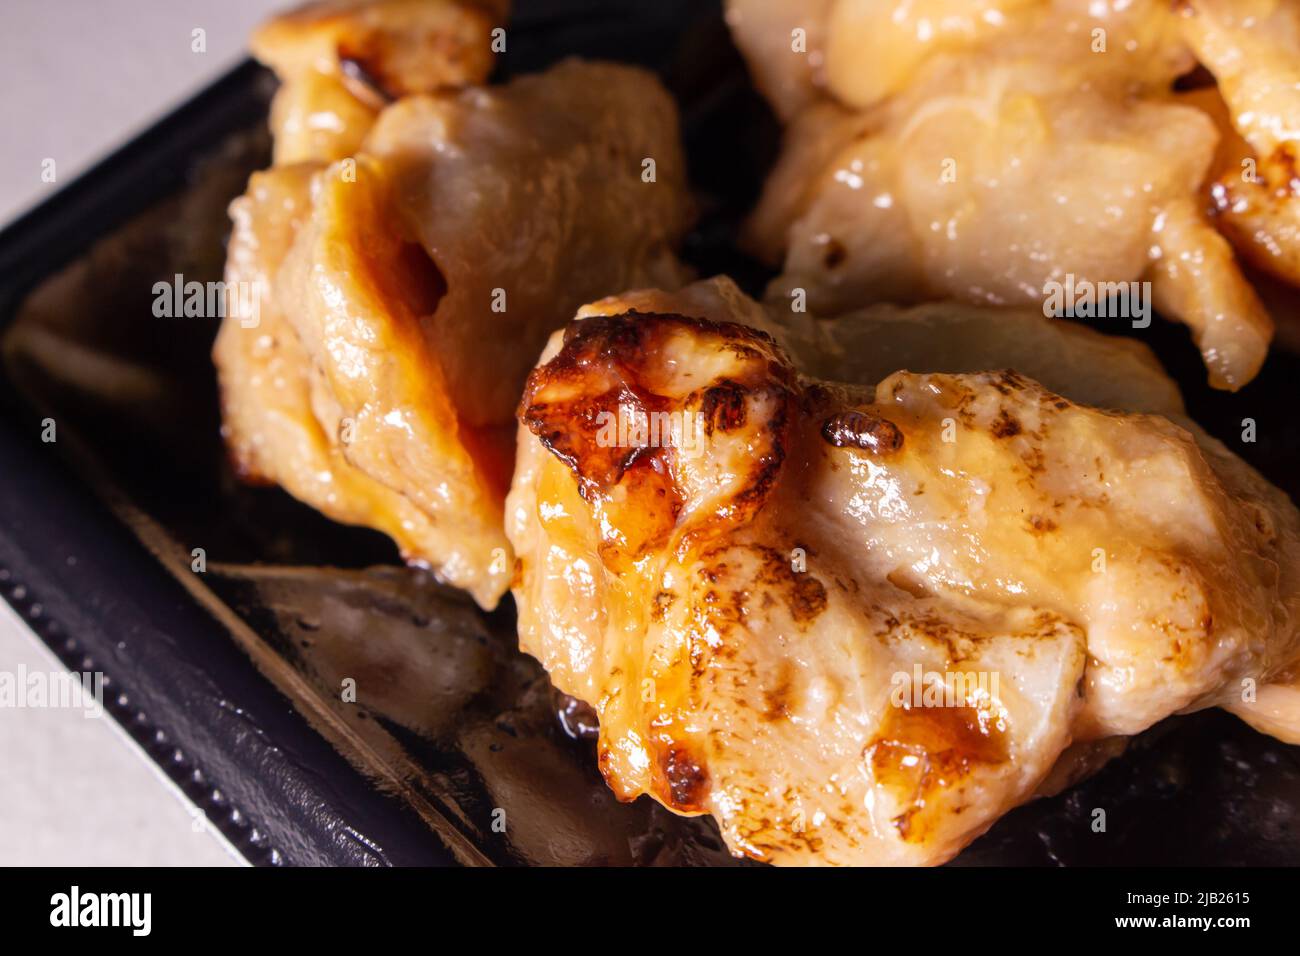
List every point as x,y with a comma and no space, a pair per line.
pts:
77,78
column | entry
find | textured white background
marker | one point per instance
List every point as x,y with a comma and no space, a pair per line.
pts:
77,78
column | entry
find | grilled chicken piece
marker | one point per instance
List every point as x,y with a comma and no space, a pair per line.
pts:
861,52
1253,50
280,422
275,409
858,624
341,61
982,151
414,285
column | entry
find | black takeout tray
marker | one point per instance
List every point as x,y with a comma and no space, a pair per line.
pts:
228,677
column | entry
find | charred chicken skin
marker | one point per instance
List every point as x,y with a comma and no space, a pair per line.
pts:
858,624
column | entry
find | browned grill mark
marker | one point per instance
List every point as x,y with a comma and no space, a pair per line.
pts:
609,364
686,782
776,700
859,429
723,408
807,598
1005,425
802,593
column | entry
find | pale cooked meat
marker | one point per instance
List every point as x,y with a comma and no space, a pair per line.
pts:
860,52
1195,277
1250,47
992,149
428,264
279,419
341,61
742,601
796,182
867,345
1253,50
1274,708
434,264
1040,185
875,49
268,387
784,44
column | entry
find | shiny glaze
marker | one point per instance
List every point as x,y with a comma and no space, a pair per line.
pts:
341,61
1253,49
278,423
981,151
372,391
739,638
85,348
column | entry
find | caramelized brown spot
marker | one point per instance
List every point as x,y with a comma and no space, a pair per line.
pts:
807,598
776,700
577,718
858,429
1005,425
1041,525
686,782
803,594
617,368
723,408
607,364
663,601
920,751
1282,171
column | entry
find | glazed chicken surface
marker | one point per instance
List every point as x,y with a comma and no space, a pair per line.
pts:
857,623
984,150
408,288
1253,48
340,62
850,585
